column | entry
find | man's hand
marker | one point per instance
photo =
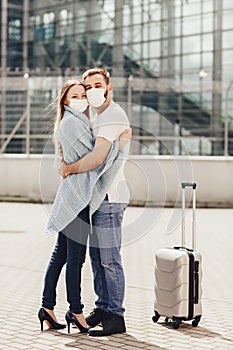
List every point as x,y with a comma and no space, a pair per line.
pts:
125,137
64,170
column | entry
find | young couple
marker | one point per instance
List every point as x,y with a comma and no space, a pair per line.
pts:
90,202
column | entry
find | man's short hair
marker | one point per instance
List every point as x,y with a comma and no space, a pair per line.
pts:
94,71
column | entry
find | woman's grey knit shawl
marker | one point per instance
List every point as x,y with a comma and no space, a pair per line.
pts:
76,191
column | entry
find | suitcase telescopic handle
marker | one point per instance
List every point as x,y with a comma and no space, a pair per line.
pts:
189,184
194,186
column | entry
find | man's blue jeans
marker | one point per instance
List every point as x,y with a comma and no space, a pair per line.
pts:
105,244
70,248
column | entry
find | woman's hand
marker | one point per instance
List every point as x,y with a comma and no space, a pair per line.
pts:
125,137
60,150
64,170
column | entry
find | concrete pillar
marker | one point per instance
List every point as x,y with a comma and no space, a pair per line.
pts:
216,120
166,67
93,26
117,51
25,34
167,41
3,67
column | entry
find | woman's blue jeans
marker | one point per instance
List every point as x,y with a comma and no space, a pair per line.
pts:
105,245
70,249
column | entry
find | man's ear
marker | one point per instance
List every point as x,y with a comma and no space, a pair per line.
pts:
109,87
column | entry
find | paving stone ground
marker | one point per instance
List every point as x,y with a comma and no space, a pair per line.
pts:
25,252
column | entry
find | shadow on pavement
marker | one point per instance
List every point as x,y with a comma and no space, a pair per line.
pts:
195,332
114,341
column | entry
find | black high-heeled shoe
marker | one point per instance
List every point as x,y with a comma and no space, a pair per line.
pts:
70,318
43,315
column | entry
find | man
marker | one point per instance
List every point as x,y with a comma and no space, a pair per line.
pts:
108,123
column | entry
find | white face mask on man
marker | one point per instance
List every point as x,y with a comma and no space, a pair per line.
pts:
96,97
78,105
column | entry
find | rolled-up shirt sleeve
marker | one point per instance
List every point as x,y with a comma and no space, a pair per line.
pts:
110,132
110,123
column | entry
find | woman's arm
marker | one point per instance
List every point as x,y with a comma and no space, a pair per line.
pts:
96,157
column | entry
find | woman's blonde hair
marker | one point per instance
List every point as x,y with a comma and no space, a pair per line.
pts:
60,105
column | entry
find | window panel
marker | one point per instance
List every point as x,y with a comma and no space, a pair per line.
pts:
227,19
126,15
207,42
191,8
155,48
136,33
227,42
155,11
154,64
227,57
208,5
31,32
65,22
14,29
177,65
177,46
177,8
208,22
127,35
207,97
227,4
191,61
207,59
81,21
191,44
155,30
106,36
191,25
177,27
49,25
137,14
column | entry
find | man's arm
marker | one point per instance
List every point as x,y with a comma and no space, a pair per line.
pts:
96,157
90,161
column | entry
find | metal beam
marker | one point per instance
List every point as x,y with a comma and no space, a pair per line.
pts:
226,129
117,50
25,34
14,130
3,64
216,120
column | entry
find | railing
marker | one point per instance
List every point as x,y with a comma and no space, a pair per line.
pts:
140,145
26,124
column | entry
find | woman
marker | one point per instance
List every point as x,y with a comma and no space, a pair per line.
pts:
72,100
76,139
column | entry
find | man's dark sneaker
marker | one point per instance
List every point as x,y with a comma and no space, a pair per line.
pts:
112,324
95,317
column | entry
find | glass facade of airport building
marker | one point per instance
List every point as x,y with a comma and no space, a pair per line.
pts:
171,65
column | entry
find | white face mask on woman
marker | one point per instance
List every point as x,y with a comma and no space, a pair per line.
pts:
78,105
96,97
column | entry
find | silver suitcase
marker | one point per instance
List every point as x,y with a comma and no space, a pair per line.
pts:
178,277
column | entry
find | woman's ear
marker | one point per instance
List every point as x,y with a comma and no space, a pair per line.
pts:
66,102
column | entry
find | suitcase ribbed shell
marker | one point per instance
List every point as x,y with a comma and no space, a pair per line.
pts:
172,283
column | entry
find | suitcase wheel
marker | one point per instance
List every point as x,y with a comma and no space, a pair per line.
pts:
175,323
196,321
156,317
